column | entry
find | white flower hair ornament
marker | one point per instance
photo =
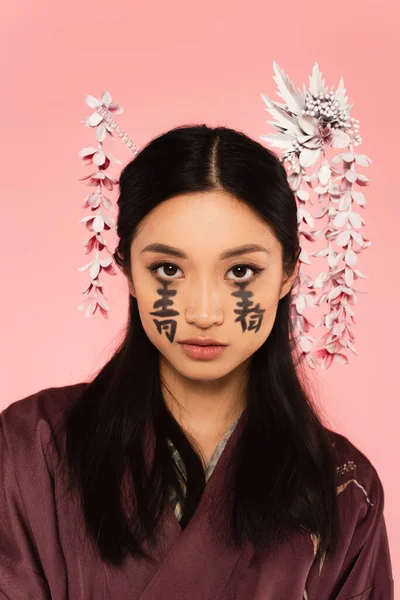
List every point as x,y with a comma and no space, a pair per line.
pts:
97,222
307,123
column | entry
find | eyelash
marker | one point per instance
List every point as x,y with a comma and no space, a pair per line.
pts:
154,268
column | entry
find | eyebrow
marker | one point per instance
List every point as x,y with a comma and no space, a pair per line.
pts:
237,251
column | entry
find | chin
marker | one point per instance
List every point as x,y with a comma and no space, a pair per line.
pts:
202,370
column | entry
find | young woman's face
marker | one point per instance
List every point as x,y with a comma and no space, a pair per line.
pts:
195,289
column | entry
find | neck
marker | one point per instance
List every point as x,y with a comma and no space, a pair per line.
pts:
204,408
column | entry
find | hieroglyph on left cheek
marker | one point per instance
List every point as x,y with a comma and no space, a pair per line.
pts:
247,309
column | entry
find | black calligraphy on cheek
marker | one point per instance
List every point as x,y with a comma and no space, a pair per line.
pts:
247,309
163,305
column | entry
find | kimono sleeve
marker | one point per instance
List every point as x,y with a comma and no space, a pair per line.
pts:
367,569
21,572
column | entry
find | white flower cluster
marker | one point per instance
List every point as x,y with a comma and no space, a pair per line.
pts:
307,124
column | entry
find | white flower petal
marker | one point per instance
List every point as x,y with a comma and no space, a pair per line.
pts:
349,277
308,157
102,303
333,259
94,119
357,238
355,219
334,190
308,124
98,224
321,253
343,238
111,178
92,101
304,257
334,293
109,221
313,143
345,201
330,318
341,219
308,235
303,138
321,214
351,176
106,262
337,159
101,132
350,258
320,190
279,140
294,180
282,117
320,281
363,160
85,267
91,307
300,304
341,95
362,180
317,84
286,90
308,218
340,139
87,151
358,197
348,157
106,98
94,269
324,174
306,346
108,205
302,194
99,158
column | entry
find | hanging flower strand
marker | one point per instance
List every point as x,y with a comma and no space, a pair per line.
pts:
307,123
97,222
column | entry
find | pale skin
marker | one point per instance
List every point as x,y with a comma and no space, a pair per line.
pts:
206,397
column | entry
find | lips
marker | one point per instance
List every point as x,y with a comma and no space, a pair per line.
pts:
202,342
203,352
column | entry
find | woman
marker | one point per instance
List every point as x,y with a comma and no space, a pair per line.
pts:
193,466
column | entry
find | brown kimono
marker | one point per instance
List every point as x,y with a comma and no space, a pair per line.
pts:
44,553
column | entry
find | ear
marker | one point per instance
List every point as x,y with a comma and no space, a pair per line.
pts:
131,288
289,280
130,284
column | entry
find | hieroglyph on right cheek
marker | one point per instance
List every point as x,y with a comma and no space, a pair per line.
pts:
163,305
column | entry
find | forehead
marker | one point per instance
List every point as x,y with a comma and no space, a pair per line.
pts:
207,221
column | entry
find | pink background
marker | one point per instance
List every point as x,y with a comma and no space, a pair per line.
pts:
171,63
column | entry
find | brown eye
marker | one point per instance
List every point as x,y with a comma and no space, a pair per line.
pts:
169,271
241,272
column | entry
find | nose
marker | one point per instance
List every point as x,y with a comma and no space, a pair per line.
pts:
204,304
